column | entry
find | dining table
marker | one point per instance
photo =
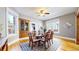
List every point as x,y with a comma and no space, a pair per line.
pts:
40,38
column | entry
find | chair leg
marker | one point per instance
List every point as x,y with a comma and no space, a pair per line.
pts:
52,41
31,47
45,45
29,44
49,43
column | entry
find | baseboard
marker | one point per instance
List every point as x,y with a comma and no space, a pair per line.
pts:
67,38
22,40
26,38
13,44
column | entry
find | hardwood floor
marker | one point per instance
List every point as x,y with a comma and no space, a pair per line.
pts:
68,45
23,46
60,44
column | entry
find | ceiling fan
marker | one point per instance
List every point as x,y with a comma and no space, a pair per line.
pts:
43,12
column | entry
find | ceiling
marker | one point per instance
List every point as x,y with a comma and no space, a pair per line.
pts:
54,11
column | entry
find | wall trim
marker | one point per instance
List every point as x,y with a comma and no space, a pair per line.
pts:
13,42
62,37
26,38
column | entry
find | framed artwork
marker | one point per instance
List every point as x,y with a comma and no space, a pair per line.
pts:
33,26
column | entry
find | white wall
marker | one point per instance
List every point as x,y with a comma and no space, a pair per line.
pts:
2,21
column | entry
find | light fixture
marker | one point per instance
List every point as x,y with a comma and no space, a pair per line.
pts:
42,11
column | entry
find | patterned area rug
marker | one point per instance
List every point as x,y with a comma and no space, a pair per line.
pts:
53,47
25,47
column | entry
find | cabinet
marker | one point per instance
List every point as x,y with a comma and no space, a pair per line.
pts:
23,27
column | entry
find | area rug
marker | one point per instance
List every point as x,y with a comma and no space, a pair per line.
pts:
25,47
53,47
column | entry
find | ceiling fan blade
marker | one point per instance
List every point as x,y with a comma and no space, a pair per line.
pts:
47,13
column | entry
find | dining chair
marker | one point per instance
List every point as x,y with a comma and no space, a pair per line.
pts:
32,40
51,37
44,40
48,38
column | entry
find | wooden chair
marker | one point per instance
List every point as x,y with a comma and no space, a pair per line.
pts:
44,40
32,40
51,37
48,38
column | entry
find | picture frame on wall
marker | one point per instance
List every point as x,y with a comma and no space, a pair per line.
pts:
33,26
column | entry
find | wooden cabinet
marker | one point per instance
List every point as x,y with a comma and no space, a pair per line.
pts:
23,28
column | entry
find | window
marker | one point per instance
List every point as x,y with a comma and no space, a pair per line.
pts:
11,24
55,26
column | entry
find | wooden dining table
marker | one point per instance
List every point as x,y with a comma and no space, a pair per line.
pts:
39,38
